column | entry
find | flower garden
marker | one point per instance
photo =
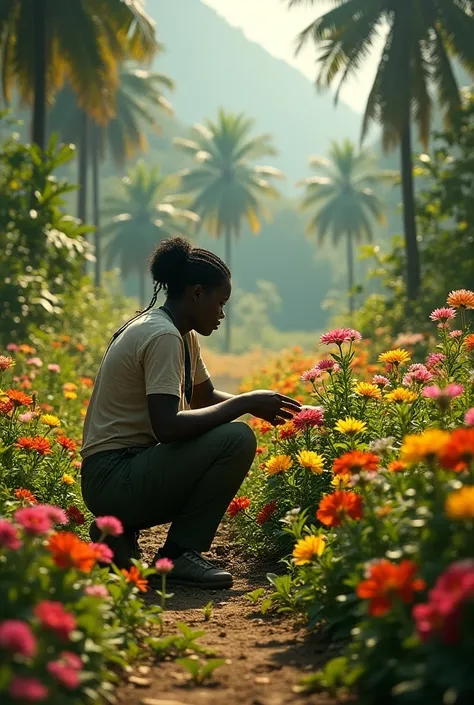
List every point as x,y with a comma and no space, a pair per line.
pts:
367,497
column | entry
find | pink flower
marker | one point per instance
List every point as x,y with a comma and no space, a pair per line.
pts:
34,520
30,690
35,362
469,417
443,314
338,336
9,537
54,367
456,334
26,417
53,616
164,565
310,375
56,514
434,359
417,373
449,392
328,366
16,636
103,552
380,380
12,347
110,526
64,674
308,417
6,363
96,591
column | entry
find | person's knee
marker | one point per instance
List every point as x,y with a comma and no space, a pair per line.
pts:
242,437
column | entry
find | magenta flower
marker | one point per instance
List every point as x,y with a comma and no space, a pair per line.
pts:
9,537
308,417
164,565
30,690
449,392
380,380
328,366
54,367
53,616
64,674
16,636
417,373
310,375
338,336
434,359
469,417
443,314
110,526
34,520
12,347
96,591
35,362
56,514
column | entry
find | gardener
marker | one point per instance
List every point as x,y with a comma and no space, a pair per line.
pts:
158,443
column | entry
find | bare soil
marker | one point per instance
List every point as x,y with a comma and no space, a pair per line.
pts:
266,656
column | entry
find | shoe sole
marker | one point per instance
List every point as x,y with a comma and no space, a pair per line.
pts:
204,586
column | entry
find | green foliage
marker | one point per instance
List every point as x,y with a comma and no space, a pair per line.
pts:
207,611
200,671
42,250
186,641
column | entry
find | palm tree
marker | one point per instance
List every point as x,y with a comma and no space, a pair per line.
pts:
144,211
421,36
139,93
341,201
226,188
42,44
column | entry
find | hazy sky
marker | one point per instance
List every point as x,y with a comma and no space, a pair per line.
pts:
271,24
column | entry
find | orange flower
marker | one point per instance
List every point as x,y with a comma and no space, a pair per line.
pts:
238,504
25,495
67,443
461,298
26,349
19,398
86,381
458,453
335,507
387,582
41,445
382,512
469,342
133,576
354,461
397,466
68,551
24,443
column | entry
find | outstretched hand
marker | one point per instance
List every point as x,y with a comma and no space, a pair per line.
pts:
272,407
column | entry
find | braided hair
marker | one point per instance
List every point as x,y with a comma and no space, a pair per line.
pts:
174,265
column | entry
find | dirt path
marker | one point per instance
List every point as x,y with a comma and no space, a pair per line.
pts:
266,656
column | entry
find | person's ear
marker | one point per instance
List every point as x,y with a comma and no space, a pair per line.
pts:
198,292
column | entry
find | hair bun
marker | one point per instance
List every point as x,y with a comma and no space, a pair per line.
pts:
169,259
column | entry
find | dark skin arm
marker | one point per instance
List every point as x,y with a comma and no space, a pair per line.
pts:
204,395
170,425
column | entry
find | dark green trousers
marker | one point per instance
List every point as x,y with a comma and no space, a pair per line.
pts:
189,483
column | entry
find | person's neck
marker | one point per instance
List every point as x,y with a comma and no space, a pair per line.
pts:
180,317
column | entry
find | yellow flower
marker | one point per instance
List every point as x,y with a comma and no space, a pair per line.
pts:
460,504
339,481
400,395
278,463
67,479
308,548
370,391
83,412
351,426
70,395
423,446
311,460
3,396
50,420
398,356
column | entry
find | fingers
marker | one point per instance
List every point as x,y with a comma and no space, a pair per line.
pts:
282,414
289,403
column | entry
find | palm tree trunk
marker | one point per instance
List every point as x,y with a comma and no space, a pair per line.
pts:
83,169
96,205
228,313
39,107
141,287
350,274
411,243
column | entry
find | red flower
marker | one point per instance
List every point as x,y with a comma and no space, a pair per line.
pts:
68,551
19,398
335,507
67,443
41,445
6,407
458,453
53,616
356,461
309,418
75,515
25,495
24,443
387,582
238,504
266,512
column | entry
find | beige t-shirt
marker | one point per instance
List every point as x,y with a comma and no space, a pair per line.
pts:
146,358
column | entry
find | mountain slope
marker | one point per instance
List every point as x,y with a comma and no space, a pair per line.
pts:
215,65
